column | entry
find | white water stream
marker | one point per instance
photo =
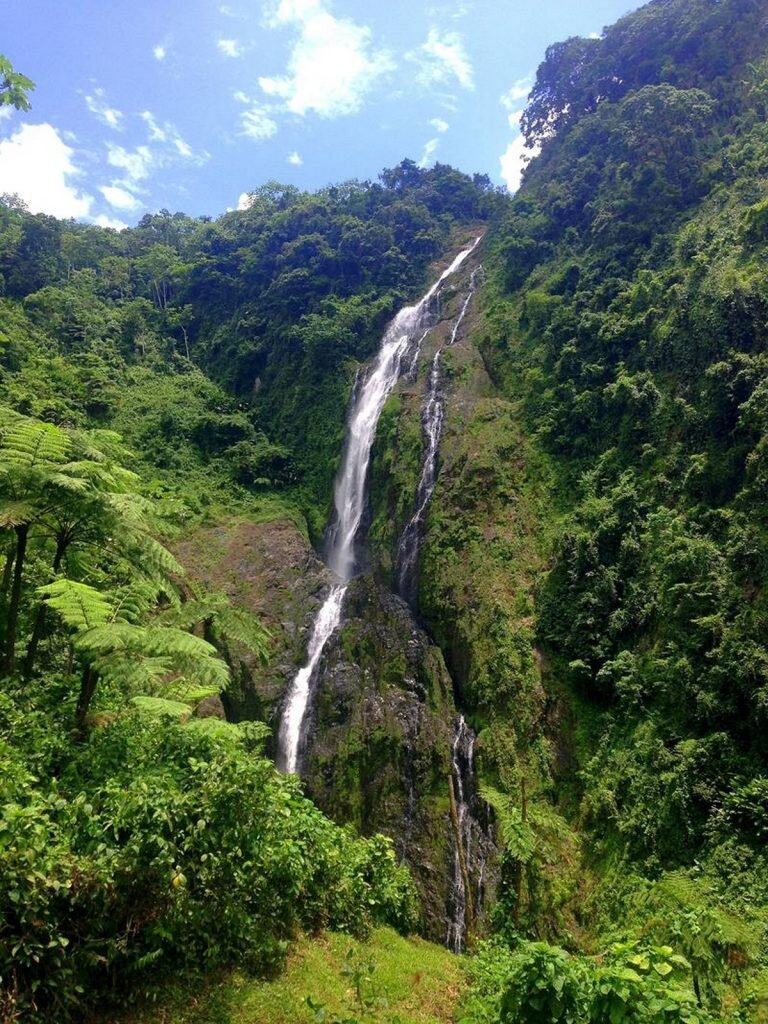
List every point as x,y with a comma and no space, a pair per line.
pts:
409,545
327,620
350,498
463,750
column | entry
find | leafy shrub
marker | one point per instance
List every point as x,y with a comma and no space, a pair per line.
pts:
535,983
162,847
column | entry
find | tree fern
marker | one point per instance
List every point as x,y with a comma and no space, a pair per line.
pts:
161,706
30,443
713,940
80,606
517,836
225,623
16,513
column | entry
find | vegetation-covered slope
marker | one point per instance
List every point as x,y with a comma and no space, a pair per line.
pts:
594,565
625,324
134,842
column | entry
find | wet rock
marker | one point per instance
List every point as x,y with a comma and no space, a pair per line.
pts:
379,738
269,569
211,707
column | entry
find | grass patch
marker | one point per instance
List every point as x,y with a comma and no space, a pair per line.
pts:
411,982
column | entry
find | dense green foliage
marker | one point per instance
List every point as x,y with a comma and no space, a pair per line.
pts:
158,846
594,567
540,984
626,324
137,839
275,303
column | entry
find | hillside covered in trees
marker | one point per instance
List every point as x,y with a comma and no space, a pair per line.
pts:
591,587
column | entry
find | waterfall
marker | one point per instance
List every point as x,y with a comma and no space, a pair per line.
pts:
371,391
408,548
462,766
327,620
409,545
350,490
474,840
464,899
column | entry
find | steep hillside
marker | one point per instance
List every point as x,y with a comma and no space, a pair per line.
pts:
596,558
548,685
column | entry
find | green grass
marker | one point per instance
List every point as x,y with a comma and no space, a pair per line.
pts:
413,982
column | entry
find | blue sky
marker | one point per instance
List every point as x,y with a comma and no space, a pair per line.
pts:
188,104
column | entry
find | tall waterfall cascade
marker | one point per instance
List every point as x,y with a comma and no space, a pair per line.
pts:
397,354
471,815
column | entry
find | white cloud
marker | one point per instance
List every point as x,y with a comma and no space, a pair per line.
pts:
518,91
230,47
169,133
257,123
441,59
36,164
156,133
513,118
295,159
226,10
164,146
439,125
6,112
457,9
103,221
136,164
429,151
120,198
159,52
513,162
516,156
98,106
595,35
244,201
332,65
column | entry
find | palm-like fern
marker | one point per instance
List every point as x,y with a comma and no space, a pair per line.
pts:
516,834
118,644
712,939
224,624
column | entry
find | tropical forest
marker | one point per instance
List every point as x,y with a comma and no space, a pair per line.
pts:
383,568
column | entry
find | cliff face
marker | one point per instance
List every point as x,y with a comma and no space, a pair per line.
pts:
271,570
382,725
485,543
379,738
382,713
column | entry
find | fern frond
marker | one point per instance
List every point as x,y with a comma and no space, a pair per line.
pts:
32,443
16,513
191,692
161,707
191,612
679,889
133,674
239,625
110,637
150,557
517,836
169,640
81,607
228,623
73,484
133,603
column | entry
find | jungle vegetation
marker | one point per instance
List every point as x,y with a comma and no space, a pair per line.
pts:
188,368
